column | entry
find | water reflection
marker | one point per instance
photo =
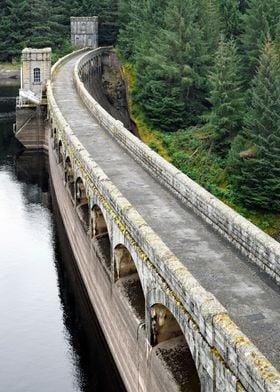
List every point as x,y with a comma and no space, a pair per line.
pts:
33,355
49,340
95,362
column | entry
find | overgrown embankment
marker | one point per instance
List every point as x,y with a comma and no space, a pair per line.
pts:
190,150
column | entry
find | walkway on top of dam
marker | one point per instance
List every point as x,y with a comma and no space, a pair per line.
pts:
250,296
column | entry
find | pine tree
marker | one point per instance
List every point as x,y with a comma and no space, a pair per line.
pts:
277,39
38,33
140,22
211,24
259,21
170,82
107,12
256,177
31,23
231,18
108,22
225,118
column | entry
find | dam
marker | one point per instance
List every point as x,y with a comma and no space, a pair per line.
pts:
185,289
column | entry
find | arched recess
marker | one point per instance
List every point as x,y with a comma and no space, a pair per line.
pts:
60,152
173,348
82,203
55,138
69,176
127,276
99,232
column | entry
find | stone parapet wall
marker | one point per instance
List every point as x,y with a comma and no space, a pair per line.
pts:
231,348
250,240
65,59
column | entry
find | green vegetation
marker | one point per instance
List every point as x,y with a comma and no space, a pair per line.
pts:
43,23
205,94
226,97
256,171
203,83
10,66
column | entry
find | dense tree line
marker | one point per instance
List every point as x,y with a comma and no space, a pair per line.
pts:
213,65
203,64
41,23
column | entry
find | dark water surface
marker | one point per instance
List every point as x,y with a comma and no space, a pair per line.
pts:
49,338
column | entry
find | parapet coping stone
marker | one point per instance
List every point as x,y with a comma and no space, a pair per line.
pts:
36,50
83,18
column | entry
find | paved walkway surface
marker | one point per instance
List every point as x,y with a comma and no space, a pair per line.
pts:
251,298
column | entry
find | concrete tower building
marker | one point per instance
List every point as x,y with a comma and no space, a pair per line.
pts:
84,32
36,70
31,109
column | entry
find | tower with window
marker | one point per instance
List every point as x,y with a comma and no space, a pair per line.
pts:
84,32
36,70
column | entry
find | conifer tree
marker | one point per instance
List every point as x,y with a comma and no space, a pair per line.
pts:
13,24
38,32
259,21
225,118
139,26
211,24
231,18
108,21
170,83
257,170
107,12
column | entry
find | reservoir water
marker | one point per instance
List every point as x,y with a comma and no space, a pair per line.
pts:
50,340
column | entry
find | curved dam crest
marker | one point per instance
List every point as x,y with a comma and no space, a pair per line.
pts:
147,278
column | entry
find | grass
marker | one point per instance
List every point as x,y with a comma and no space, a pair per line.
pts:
10,66
190,151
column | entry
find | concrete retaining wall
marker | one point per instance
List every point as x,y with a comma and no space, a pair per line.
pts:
31,126
250,240
234,362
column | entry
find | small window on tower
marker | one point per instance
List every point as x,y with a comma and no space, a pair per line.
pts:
83,27
37,75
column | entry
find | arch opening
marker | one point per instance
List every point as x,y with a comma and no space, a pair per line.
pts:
82,203
60,152
69,176
55,138
128,278
99,232
172,348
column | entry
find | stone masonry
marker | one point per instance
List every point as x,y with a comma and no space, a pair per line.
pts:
36,69
84,32
225,359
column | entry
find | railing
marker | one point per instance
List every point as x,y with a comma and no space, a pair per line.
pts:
20,101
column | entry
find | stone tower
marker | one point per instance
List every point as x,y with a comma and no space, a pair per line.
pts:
84,32
36,70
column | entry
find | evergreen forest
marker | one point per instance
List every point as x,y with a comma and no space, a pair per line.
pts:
204,83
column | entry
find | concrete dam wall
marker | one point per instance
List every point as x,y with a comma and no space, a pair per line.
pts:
149,304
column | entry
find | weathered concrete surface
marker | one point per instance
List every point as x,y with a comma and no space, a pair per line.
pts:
84,32
250,240
109,89
251,298
141,368
31,126
36,59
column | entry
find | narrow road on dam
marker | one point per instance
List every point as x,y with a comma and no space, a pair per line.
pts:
251,298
